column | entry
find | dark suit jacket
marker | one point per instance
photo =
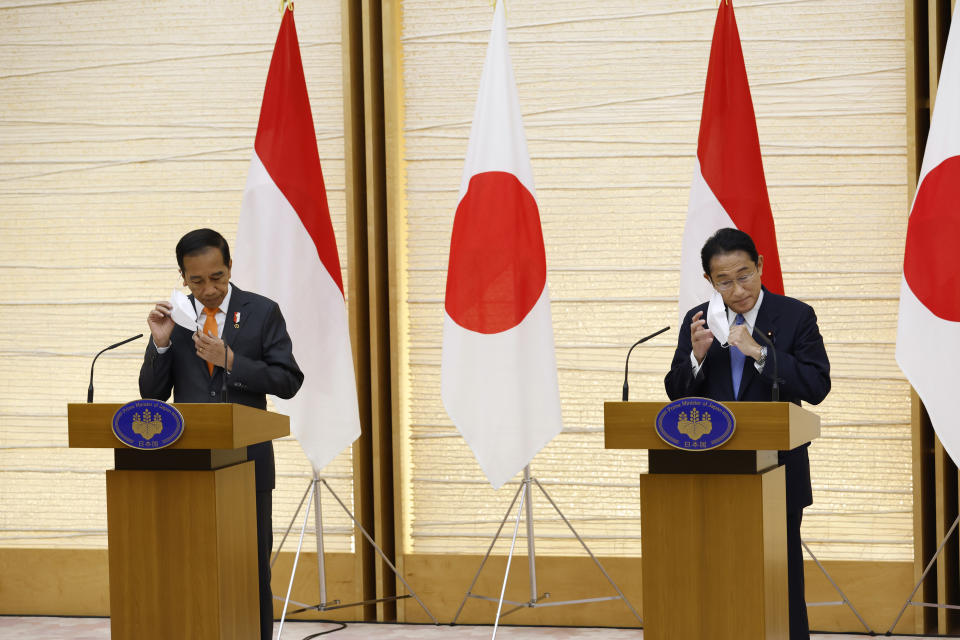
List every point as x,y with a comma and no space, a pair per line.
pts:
263,363
804,373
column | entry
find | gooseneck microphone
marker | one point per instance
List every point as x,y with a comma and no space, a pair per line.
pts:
626,365
226,353
113,346
775,390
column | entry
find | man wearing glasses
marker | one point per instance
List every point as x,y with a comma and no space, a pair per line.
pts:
741,369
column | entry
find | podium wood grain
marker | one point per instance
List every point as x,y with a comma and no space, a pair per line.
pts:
759,426
182,527
714,539
183,559
714,556
206,426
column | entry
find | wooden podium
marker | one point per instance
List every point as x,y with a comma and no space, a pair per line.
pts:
182,528
713,523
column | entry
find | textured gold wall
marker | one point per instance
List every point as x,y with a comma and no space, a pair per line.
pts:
611,95
123,125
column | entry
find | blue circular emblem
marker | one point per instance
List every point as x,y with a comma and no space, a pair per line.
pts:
695,424
147,424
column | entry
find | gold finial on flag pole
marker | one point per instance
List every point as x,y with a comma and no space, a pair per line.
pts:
286,4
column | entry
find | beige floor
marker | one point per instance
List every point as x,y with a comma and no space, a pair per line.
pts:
17,628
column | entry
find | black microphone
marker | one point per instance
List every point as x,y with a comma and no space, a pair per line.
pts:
775,391
626,365
113,346
223,386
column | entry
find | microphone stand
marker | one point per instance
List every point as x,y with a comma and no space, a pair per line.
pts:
626,365
775,390
223,386
113,346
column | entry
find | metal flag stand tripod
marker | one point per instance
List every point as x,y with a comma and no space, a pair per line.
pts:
923,576
525,494
836,587
312,496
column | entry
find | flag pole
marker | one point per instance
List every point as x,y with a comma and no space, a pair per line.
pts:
318,527
498,179
496,536
296,559
525,494
923,576
513,544
312,497
531,552
844,599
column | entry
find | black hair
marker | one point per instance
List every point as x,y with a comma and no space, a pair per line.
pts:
727,240
200,240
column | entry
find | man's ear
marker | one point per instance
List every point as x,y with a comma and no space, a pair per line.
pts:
706,277
760,265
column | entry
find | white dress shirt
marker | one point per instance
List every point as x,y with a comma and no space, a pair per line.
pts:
221,316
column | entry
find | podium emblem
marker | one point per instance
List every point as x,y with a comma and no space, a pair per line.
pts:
695,424
147,424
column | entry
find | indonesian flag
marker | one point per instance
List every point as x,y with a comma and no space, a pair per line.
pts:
286,251
499,370
728,189
928,333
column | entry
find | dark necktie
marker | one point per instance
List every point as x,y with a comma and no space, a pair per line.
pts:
737,358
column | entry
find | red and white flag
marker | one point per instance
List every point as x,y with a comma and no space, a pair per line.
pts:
286,251
928,332
499,369
729,188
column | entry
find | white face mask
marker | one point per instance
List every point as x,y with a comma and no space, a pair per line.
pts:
183,313
717,318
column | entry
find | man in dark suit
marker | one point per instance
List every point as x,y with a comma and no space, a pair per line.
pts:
247,333
742,369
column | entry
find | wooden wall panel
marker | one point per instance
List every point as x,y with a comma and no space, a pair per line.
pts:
74,582
935,475
874,587
355,164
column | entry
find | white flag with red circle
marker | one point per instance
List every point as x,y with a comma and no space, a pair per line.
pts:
286,251
729,188
499,371
928,331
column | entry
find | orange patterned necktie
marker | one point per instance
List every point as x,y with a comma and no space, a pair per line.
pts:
210,328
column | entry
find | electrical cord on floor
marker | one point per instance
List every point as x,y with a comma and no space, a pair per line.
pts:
323,633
